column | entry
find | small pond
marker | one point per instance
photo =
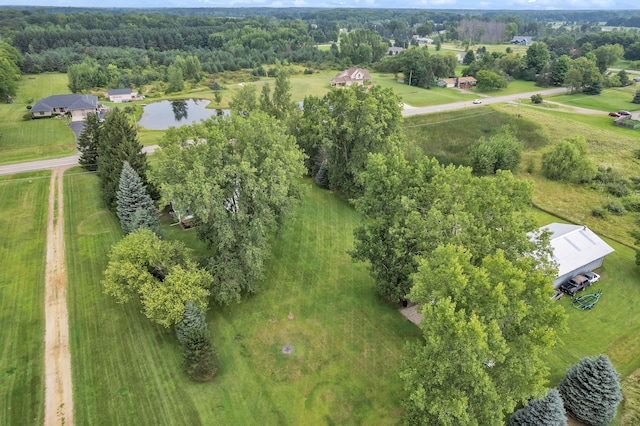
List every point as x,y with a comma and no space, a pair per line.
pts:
164,114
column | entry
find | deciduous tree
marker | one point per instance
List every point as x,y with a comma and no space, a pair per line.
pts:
500,152
569,161
239,176
159,272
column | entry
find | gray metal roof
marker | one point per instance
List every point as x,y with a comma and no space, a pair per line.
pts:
69,102
575,246
114,92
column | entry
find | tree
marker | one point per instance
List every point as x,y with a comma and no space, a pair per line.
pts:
411,209
560,70
175,79
198,356
217,97
282,104
569,161
607,55
500,152
536,99
193,318
9,73
243,101
636,98
118,143
159,272
135,207
546,411
537,58
583,73
239,176
490,319
469,58
489,80
88,143
624,78
591,390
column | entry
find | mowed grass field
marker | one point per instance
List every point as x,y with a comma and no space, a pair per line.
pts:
347,343
23,220
613,99
34,139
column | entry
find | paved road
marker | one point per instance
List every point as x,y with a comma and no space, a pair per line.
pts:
71,160
408,111
488,100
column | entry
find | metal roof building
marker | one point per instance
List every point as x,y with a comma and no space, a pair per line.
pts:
576,249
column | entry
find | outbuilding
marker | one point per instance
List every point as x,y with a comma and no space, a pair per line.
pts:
576,249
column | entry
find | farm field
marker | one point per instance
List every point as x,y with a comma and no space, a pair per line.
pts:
35,139
347,342
23,219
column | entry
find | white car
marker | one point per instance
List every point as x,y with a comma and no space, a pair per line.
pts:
477,101
592,277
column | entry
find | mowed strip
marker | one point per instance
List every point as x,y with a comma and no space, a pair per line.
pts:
23,220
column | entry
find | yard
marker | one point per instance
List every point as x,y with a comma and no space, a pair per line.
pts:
35,139
23,220
347,343
609,100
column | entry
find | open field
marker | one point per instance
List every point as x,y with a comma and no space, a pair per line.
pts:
23,220
516,86
609,100
347,342
34,139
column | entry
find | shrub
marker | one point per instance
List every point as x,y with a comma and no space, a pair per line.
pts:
536,99
547,411
618,189
616,208
29,107
501,152
27,116
632,202
599,212
569,161
591,391
308,71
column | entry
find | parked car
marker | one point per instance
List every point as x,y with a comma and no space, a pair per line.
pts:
592,277
614,114
477,101
623,112
636,79
574,285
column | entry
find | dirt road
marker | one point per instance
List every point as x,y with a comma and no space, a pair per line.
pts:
58,401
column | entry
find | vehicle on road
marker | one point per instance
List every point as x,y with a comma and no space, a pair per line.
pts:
614,114
477,101
574,285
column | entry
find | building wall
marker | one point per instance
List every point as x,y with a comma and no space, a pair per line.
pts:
586,268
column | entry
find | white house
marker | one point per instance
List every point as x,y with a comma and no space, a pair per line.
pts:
576,249
352,76
78,106
122,95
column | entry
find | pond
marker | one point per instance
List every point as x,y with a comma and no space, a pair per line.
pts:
164,114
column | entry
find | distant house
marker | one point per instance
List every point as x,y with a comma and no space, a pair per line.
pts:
460,56
122,95
459,82
521,40
576,249
352,76
395,50
423,40
76,105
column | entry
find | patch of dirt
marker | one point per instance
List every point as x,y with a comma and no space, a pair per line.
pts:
58,400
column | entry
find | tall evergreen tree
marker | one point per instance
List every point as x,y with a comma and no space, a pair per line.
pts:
591,390
88,143
193,318
118,143
135,207
547,411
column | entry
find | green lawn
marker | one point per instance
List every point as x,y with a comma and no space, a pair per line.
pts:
515,86
23,220
34,139
609,100
416,96
347,342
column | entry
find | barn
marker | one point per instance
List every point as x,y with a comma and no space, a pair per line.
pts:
576,249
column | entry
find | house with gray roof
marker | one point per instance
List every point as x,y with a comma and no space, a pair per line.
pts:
576,249
122,95
521,40
78,106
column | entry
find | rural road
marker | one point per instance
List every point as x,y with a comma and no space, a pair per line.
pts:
72,160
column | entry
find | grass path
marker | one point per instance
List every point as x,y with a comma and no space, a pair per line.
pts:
57,367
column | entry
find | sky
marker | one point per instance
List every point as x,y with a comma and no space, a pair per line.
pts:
415,4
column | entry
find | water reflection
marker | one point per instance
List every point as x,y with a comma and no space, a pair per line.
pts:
164,114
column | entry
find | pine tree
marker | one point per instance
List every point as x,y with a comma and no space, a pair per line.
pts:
591,391
135,207
88,143
118,143
636,98
322,177
547,411
193,319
